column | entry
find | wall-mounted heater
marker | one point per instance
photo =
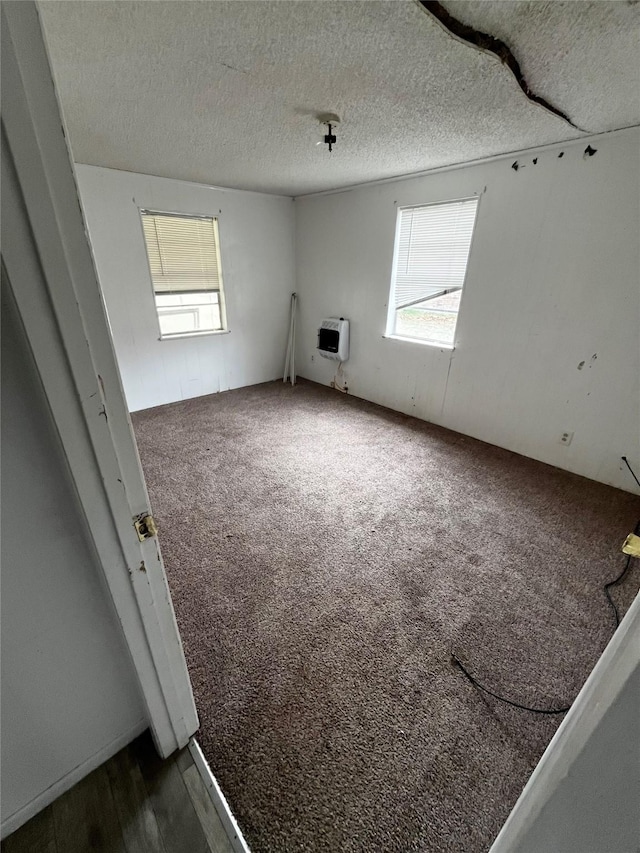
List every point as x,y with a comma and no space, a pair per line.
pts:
333,339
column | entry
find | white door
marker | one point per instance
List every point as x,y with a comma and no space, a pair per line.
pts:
49,262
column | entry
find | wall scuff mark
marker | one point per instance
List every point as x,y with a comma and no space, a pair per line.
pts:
490,44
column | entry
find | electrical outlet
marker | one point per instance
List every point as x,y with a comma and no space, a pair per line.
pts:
313,358
566,437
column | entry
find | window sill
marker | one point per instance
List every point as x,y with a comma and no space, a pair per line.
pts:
183,335
421,342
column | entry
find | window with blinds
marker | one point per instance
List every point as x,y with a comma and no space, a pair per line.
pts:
429,269
184,263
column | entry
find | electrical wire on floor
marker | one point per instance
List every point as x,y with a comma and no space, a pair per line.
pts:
623,573
607,587
484,689
620,578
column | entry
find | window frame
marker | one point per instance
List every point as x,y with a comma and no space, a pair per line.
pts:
391,309
221,275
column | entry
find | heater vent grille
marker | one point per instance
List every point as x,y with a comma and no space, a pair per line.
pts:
333,339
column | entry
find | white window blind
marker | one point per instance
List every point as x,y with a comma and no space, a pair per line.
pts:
432,250
183,253
184,262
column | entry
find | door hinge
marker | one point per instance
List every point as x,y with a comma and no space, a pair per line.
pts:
145,526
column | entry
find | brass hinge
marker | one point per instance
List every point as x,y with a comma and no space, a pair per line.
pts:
145,526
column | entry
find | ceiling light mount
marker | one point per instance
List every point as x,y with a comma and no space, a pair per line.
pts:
329,122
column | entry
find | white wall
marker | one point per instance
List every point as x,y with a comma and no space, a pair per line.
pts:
70,696
256,241
595,806
552,282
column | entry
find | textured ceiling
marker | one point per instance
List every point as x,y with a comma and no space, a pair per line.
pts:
225,93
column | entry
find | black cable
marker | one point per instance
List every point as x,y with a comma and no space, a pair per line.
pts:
615,583
607,586
502,699
622,574
626,462
628,563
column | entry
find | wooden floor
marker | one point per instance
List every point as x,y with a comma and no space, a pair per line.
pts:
135,803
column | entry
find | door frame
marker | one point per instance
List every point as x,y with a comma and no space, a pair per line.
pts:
50,267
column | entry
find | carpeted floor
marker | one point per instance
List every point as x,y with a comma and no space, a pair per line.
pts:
325,556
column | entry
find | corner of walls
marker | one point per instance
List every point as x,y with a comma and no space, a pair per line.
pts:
549,311
257,250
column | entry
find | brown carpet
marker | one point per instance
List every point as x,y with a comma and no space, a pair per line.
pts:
325,555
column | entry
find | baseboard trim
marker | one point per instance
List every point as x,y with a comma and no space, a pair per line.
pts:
217,798
17,819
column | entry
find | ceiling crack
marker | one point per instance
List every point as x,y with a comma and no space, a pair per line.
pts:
490,44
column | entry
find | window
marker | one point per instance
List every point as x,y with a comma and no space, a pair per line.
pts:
184,262
429,267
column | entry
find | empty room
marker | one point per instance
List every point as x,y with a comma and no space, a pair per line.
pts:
348,313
